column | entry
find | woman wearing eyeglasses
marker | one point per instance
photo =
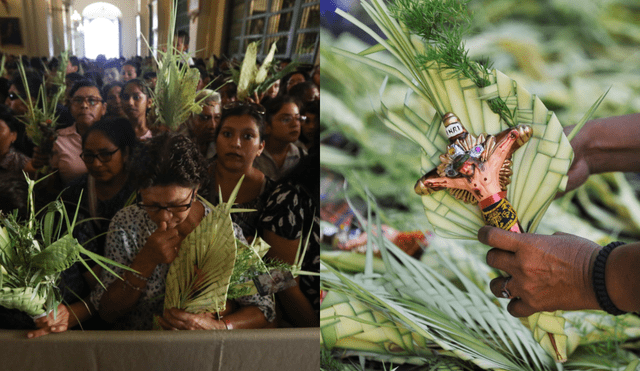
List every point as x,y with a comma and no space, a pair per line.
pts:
87,106
136,103
106,148
283,126
168,170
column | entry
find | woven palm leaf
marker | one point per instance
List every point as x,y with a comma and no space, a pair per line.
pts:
25,299
352,326
539,167
467,325
198,279
30,267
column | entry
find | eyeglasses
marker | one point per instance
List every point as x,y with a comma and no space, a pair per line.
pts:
13,96
286,119
256,107
171,209
103,157
91,100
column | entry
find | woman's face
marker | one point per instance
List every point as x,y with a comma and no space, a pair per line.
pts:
285,124
134,102
311,94
174,197
87,106
98,144
295,79
7,137
238,142
128,73
205,123
114,104
273,89
310,126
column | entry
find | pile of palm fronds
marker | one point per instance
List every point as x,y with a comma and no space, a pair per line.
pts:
423,314
33,254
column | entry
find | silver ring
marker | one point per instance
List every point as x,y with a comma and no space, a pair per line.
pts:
505,292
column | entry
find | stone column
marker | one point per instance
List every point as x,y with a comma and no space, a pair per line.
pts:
58,32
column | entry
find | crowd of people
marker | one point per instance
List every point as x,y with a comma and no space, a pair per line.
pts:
139,185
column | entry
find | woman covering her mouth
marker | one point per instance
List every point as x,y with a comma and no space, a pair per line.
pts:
168,171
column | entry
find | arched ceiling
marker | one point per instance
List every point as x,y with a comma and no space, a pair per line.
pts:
101,9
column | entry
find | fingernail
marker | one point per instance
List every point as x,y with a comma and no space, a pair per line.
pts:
29,335
54,329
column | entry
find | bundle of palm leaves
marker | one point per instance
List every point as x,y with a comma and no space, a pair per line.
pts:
41,118
33,254
410,312
213,266
176,88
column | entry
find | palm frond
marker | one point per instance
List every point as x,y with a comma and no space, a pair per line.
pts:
176,87
466,323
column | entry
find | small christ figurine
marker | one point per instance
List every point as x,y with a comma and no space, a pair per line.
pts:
478,170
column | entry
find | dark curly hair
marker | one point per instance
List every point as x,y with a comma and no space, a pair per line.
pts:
168,159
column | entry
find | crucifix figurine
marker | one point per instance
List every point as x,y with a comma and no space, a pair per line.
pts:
478,170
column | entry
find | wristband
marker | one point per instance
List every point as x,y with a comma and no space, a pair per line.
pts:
599,285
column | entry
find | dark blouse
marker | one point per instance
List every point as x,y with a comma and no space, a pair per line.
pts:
248,221
291,213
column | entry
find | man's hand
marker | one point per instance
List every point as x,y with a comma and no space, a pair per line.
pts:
547,272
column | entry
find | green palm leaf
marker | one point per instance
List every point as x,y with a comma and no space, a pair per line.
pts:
539,168
198,279
177,84
466,323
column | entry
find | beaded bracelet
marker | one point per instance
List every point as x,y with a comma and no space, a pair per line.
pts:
126,282
140,277
599,284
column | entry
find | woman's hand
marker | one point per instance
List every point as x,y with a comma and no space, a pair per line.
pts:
178,319
48,324
546,272
163,245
